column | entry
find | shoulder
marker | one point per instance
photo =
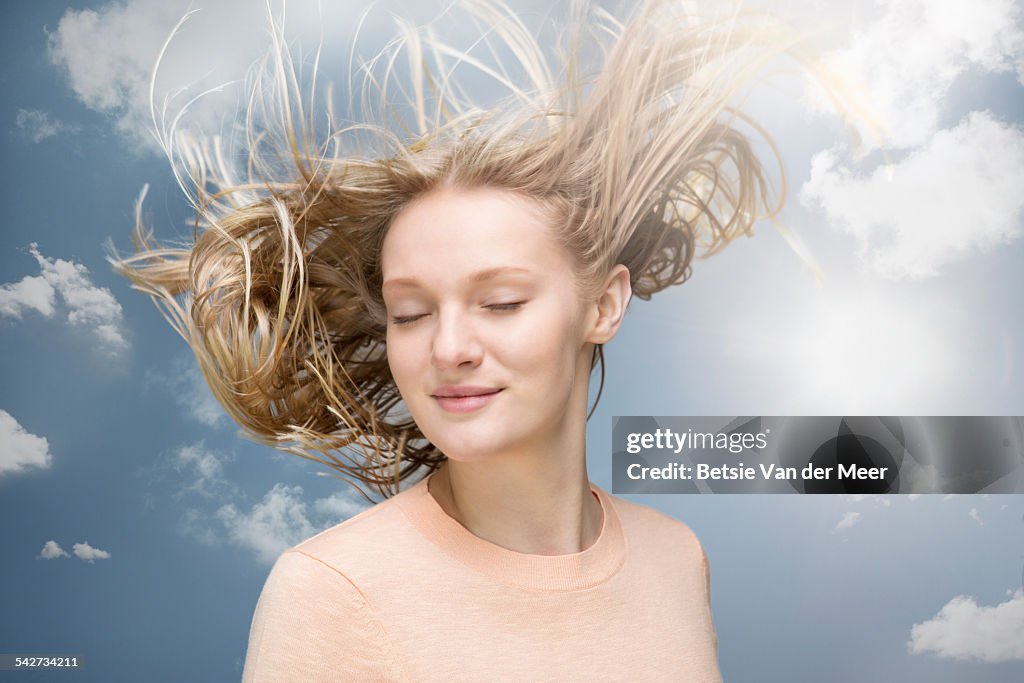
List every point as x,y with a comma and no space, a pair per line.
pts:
362,545
316,616
666,551
314,565
649,530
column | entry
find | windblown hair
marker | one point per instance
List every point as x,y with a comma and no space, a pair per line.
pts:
642,162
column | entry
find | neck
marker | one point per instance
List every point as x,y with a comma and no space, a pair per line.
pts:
534,512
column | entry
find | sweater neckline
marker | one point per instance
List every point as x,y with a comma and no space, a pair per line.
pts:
573,571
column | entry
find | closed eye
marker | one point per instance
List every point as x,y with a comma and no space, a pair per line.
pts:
406,319
505,307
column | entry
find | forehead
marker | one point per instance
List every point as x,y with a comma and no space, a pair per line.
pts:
451,232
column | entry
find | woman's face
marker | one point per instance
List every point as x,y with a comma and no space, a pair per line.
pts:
486,332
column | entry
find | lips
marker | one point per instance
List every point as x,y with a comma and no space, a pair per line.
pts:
464,398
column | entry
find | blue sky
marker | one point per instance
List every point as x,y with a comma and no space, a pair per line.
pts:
138,527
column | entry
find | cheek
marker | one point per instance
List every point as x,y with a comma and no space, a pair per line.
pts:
551,341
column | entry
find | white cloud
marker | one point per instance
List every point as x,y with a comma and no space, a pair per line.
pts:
973,514
270,526
206,467
87,305
277,522
37,125
901,66
20,450
847,521
86,552
956,196
340,506
83,551
913,496
30,292
878,499
108,54
273,525
951,193
51,551
206,463
968,631
196,524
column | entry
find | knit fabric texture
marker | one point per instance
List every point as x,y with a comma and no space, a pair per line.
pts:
403,592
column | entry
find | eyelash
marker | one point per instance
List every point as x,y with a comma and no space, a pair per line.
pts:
499,308
406,320
511,306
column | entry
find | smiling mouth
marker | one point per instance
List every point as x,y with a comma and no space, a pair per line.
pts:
466,402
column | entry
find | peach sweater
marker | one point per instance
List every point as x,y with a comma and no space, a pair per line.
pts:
403,592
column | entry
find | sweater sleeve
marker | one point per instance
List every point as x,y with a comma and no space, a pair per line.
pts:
313,624
707,596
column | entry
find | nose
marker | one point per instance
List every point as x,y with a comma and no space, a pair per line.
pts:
454,344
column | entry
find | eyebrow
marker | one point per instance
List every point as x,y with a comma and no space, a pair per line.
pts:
477,277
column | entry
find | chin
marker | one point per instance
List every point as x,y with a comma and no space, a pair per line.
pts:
466,446
468,451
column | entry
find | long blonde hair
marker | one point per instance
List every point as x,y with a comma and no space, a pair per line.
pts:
643,162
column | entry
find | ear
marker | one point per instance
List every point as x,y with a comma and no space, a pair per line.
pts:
611,305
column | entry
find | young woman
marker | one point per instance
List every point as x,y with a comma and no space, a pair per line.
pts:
419,305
